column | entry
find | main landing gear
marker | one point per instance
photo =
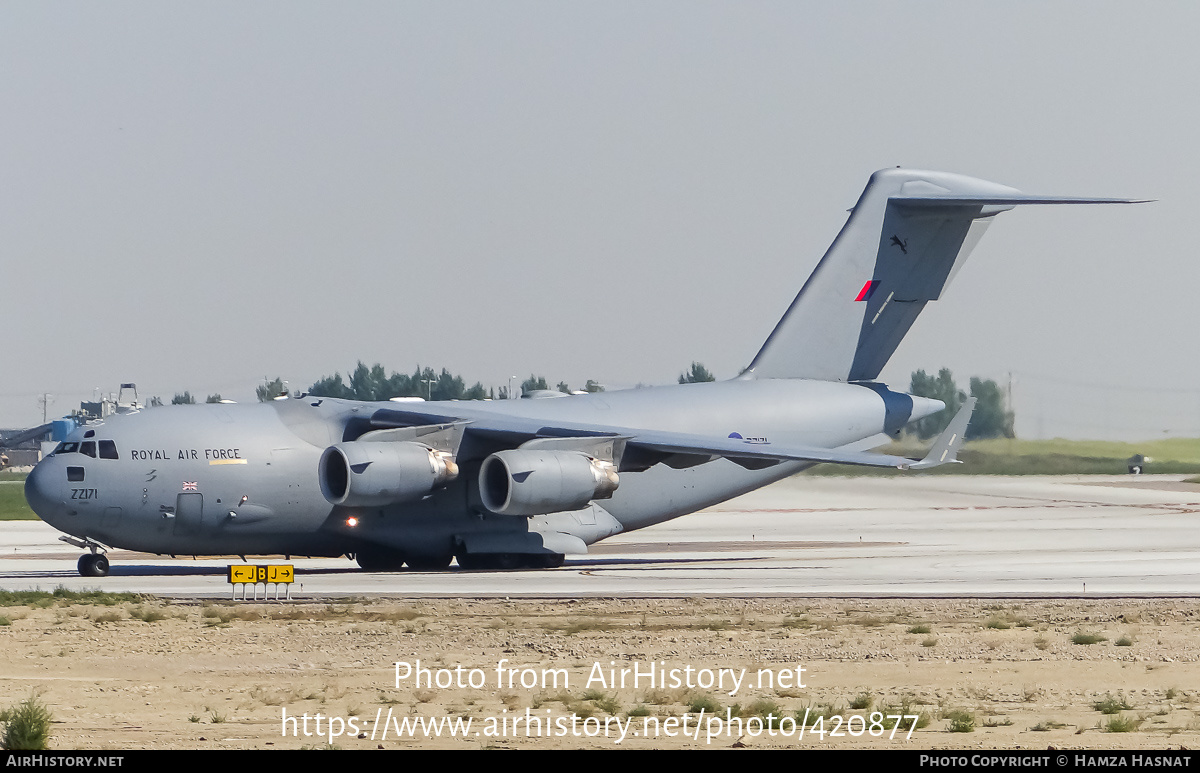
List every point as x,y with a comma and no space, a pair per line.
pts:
511,560
384,560
93,565
376,559
373,559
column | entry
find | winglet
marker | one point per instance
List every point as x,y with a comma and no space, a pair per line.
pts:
945,448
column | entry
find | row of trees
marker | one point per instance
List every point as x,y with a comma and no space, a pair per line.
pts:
991,418
186,399
538,383
696,374
183,398
373,383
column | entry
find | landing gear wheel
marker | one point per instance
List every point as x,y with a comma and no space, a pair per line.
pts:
506,561
93,565
547,560
377,560
470,561
429,563
478,561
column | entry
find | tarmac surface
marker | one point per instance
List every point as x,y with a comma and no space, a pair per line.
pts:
911,536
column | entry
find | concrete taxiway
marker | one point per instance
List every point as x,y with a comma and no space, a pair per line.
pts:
904,536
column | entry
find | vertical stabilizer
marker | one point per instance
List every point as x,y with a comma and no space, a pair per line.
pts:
907,236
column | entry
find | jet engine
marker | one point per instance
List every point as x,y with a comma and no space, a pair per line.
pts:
372,474
531,482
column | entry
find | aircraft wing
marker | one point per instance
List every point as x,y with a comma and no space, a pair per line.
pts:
681,449
944,449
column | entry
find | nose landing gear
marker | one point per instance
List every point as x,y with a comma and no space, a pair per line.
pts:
93,564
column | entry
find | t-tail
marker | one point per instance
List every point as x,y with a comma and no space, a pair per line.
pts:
907,236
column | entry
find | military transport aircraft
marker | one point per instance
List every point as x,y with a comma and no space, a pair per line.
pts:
521,483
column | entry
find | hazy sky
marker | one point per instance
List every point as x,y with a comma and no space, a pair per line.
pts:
198,195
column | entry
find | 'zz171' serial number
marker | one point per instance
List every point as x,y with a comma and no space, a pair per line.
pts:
84,493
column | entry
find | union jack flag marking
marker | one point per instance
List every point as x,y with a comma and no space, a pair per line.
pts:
190,485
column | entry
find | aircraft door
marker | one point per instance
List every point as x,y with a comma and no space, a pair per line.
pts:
189,513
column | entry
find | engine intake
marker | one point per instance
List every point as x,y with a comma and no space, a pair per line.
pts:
530,482
372,474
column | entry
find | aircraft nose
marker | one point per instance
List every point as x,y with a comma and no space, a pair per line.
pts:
40,492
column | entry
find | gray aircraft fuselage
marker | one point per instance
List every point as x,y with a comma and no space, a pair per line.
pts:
242,479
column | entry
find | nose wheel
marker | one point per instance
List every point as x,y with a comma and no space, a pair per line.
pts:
93,565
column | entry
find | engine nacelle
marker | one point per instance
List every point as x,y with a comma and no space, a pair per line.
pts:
531,482
372,474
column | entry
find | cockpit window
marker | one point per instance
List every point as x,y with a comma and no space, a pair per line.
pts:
67,448
74,474
108,450
88,448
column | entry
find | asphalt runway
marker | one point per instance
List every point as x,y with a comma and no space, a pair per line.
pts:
909,536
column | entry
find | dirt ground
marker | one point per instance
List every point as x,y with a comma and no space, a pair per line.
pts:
548,673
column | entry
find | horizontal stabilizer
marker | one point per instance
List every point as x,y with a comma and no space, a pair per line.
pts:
1011,201
945,448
